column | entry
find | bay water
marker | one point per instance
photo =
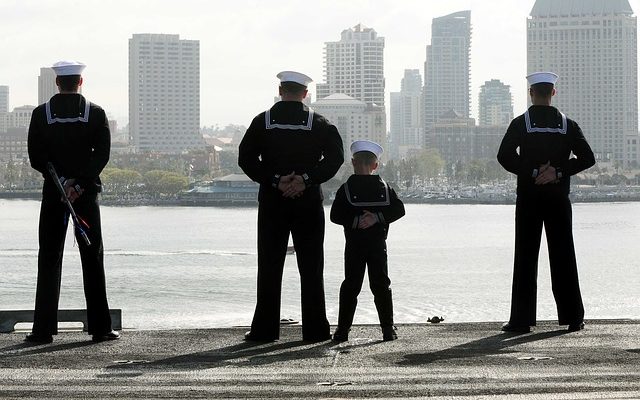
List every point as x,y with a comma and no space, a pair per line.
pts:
195,267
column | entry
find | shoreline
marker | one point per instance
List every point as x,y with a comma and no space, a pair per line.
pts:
575,198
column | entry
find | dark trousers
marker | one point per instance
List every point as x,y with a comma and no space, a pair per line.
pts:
359,254
52,230
304,220
554,213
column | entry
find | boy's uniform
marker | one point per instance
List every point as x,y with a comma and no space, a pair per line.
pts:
365,247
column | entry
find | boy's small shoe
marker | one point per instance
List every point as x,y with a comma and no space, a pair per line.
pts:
340,335
389,333
112,335
576,327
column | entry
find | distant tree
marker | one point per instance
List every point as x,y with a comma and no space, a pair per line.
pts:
389,172
158,183
120,181
429,163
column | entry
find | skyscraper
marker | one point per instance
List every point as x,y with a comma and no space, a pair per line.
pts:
495,103
592,46
355,66
4,108
164,93
406,114
4,99
47,87
446,69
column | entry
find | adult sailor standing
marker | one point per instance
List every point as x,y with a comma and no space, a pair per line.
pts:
73,135
290,150
544,148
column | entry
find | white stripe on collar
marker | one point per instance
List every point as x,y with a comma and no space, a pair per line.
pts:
81,118
385,202
530,129
305,127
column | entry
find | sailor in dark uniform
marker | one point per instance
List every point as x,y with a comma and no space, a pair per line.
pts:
290,150
73,135
544,148
365,206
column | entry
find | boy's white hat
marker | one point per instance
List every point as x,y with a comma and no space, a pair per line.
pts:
293,76
62,68
366,145
542,77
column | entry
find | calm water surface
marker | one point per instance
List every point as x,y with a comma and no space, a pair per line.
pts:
180,267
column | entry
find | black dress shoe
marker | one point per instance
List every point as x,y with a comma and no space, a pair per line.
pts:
576,327
389,333
340,335
113,335
251,337
508,327
41,339
317,338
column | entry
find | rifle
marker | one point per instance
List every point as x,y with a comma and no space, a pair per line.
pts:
77,222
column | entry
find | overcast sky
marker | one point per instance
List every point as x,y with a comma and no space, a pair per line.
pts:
244,43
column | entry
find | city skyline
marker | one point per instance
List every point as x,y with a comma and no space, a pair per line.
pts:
239,60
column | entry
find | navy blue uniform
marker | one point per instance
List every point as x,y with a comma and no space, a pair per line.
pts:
73,134
287,138
365,247
541,135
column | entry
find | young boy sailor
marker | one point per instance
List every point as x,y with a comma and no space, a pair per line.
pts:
365,206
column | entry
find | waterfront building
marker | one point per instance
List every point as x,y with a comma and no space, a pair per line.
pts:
355,119
453,136
447,67
164,93
495,104
354,66
47,87
406,115
4,99
592,46
487,139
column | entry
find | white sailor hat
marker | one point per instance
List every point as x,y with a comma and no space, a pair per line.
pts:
542,77
293,76
366,145
63,68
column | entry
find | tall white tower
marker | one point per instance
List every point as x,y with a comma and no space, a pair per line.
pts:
447,67
47,87
592,46
164,93
355,66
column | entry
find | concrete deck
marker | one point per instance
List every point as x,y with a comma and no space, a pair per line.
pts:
446,361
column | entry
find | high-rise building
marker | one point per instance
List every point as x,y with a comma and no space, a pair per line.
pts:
447,67
355,66
592,46
47,87
4,108
164,93
355,119
4,99
453,136
406,114
20,117
495,103
13,133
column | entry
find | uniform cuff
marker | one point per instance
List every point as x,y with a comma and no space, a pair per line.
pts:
275,180
306,179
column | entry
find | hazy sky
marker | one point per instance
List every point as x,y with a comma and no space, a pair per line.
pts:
244,43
